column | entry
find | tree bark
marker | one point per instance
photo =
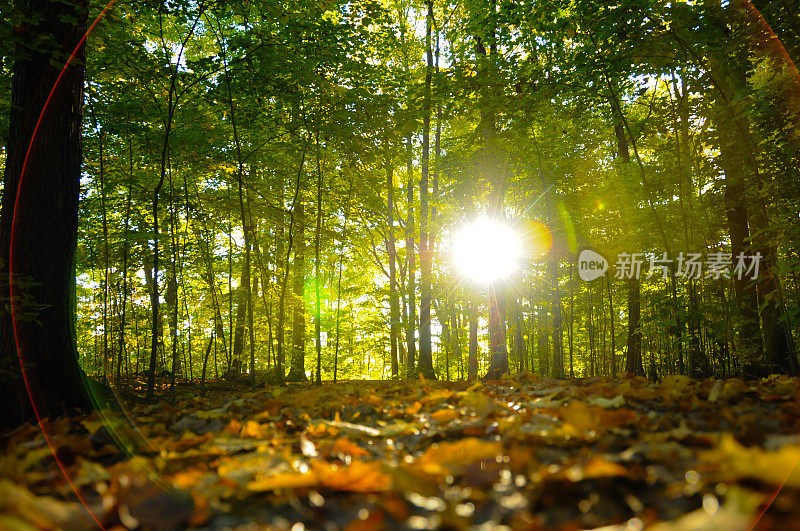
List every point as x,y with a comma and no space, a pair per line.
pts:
425,254
633,358
410,266
394,312
558,320
472,357
297,372
38,227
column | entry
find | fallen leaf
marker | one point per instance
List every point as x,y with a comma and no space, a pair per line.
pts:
284,480
345,446
452,456
736,461
444,415
617,401
359,476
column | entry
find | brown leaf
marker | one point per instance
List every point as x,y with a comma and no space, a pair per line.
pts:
452,456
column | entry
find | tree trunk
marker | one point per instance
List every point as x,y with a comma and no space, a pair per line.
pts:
394,311
410,266
38,228
558,320
613,357
172,104
297,372
285,282
241,315
633,359
425,254
472,357
125,256
317,309
571,317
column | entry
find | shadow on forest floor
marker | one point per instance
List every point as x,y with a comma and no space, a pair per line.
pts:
528,453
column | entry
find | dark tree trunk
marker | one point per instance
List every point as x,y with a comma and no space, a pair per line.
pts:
558,320
571,318
492,171
633,359
317,280
425,253
38,228
613,357
285,281
410,266
734,164
242,296
472,357
498,364
394,311
297,372
520,347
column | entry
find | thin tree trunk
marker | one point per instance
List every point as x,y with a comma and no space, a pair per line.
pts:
390,244
558,333
339,283
571,317
425,257
317,312
285,282
297,371
205,364
472,359
172,104
613,335
411,297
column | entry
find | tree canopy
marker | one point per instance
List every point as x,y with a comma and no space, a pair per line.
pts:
273,191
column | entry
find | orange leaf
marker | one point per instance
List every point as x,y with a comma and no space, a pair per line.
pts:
444,415
414,408
344,446
599,467
359,476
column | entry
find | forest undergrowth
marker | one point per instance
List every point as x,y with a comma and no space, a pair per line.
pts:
528,453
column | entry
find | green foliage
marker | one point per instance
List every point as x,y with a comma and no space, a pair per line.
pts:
535,95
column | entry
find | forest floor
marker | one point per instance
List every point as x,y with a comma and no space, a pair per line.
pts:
527,453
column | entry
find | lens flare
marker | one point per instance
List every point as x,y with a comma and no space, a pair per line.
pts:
486,250
538,238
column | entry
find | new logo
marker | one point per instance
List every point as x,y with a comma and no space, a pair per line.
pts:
591,265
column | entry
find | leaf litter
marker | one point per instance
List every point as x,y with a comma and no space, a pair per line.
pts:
524,453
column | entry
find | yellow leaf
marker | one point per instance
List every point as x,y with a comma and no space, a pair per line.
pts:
617,401
453,456
479,402
737,461
284,480
437,396
321,429
92,425
253,429
578,417
43,512
599,467
444,415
